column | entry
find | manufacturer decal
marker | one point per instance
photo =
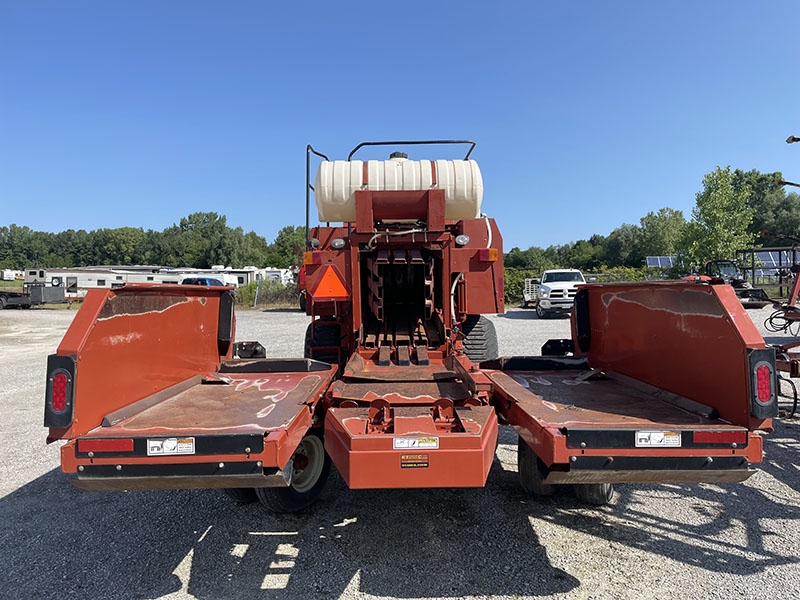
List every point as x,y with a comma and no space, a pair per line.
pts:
658,439
413,461
170,446
429,443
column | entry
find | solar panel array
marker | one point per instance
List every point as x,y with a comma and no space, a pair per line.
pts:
660,261
767,262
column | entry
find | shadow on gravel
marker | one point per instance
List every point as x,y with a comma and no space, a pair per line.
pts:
522,313
782,452
726,512
779,340
58,542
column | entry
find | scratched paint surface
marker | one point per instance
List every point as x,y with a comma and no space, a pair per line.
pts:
672,336
561,397
245,403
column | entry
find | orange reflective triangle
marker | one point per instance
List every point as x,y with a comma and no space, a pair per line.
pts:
330,286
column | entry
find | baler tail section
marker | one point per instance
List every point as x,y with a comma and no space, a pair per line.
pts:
145,389
128,343
668,383
236,427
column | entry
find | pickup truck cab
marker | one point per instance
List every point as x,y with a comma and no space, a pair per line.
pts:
210,281
556,292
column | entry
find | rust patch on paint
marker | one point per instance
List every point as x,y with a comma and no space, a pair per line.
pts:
137,304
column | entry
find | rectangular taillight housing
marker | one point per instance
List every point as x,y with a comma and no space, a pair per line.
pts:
59,403
763,383
312,258
488,255
107,445
719,437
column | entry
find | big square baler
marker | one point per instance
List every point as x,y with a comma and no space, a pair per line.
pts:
401,385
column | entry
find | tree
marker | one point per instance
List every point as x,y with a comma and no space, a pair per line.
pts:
773,212
534,258
290,243
720,220
661,232
622,247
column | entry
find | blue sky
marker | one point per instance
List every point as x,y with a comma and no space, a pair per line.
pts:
587,114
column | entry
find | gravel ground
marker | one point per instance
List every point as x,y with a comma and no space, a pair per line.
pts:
653,541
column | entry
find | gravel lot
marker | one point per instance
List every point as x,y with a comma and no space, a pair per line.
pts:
654,541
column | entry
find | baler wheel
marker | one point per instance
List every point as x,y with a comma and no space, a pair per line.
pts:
326,334
241,495
311,466
598,494
480,338
303,301
530,470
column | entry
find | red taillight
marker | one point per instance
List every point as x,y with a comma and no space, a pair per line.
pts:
58,399
720,437
113,445
764,384
488,254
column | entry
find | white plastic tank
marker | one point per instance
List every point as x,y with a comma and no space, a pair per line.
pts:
337,182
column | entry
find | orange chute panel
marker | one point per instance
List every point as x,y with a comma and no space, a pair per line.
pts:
691,339
134,341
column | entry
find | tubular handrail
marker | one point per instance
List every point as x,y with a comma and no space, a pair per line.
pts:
310,150
414,143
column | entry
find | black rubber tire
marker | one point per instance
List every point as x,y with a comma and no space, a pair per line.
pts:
598,494
289,499
530,469
241,495
3,302
540,312
326,333
303,301
480,338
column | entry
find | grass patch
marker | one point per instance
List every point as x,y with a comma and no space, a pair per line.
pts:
12,286
271,294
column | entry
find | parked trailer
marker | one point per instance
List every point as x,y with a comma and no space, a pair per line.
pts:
14,300
33,295
400,386
529,291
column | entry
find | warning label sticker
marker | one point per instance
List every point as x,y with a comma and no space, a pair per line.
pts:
658,439
170,446
414,461
429,443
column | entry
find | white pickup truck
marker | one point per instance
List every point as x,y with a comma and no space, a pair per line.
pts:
556,291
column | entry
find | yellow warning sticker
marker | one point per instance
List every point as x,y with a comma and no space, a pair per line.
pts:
429,443
658,439
414,461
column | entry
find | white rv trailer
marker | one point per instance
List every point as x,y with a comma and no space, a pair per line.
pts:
78,280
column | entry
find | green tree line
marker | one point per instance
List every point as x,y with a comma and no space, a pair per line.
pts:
731,212
199,240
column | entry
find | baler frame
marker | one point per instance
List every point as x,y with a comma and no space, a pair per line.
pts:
151,370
